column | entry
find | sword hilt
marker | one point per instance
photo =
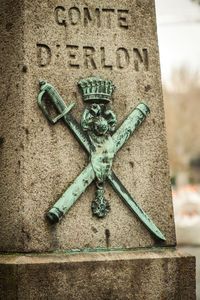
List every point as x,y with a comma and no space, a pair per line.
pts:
59,104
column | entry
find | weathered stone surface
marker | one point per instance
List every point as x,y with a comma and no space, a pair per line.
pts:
62,42
53,40
164,274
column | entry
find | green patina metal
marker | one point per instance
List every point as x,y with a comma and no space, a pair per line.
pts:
120,249
97,124
72,194
10,255
96,89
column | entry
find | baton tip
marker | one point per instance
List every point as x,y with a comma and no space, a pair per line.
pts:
52,218
144,108
54,215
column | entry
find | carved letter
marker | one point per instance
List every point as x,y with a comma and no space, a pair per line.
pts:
122,18
103,59
43,55
59,16
87,16
88,57
122,58
141,58
72,53
97,11
74,15
109,11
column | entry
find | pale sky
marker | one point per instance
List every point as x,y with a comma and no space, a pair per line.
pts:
178,24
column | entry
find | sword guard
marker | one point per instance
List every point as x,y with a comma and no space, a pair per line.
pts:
56,119
55,98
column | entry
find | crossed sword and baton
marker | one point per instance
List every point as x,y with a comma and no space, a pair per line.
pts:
87,176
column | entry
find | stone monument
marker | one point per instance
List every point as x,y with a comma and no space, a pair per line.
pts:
86,209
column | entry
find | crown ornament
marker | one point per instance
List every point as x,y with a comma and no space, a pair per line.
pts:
96,89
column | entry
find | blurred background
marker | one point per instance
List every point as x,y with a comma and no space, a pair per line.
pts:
178,25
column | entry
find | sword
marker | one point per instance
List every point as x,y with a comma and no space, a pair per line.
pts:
88,175
133,206
64,111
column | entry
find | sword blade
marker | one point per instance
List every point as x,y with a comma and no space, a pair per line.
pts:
78,131
70,196
134,207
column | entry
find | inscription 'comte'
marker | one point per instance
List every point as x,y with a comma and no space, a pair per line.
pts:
88,57
104,17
